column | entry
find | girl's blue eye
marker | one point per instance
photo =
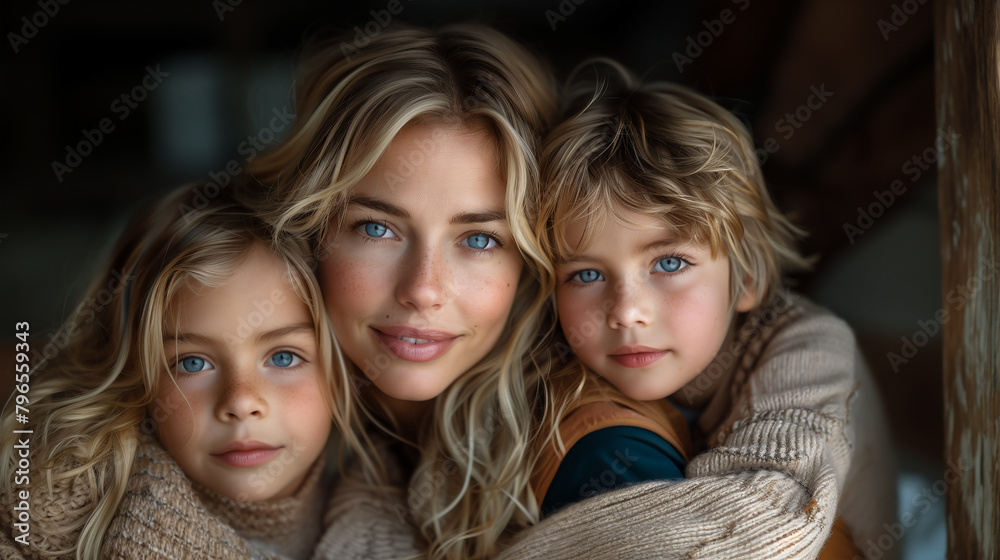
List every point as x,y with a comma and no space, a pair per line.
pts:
480,242
588,276
669,264
285,359
192,364
373,229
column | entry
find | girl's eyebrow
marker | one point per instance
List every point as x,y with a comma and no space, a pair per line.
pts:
479,217
196,338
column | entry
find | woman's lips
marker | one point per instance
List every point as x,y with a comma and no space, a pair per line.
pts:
414,345
637,356
246,453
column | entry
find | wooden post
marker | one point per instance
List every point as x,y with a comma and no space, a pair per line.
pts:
967,62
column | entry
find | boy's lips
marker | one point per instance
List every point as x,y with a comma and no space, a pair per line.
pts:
246,453
637,356
414,345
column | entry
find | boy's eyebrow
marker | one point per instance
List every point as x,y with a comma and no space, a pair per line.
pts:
196,338
665,243
479,217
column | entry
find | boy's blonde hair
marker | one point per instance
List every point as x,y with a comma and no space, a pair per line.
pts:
91,401
660,149
348,110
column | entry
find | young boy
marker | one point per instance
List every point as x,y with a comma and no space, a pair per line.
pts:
669,257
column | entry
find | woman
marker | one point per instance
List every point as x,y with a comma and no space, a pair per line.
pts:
409,169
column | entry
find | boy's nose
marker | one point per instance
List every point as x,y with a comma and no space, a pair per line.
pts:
631,307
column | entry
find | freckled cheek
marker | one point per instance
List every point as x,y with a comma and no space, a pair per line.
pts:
350,288
573,306
486,297
177,419
307,413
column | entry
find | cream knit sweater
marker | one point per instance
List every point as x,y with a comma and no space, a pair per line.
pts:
795,437
165,516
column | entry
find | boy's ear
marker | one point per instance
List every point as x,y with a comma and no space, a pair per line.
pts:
748,300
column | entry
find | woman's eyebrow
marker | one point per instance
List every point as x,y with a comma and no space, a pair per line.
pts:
380,205
479,217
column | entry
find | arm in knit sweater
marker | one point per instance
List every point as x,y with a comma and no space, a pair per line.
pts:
769,484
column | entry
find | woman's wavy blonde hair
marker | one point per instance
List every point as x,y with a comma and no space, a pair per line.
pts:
92,400
349,108
663,150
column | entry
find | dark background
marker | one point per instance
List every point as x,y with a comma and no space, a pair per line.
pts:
833,158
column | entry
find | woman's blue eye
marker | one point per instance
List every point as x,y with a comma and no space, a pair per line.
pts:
588,276
376,230
285,359
192,364
481,242
669,264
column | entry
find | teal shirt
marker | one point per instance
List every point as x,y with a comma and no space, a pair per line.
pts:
611,458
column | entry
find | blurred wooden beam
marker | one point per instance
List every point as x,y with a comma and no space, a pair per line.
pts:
967,61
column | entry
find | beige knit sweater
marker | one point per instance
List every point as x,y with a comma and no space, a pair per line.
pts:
792,437
164,515
795,437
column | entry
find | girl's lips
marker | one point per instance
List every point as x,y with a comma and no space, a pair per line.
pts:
414,345
638,359
246,454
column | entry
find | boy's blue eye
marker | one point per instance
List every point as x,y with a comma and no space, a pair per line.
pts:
285,359
192,364
588,276
669,264
373,229
480,242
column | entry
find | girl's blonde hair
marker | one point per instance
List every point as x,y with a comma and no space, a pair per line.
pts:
90,402
661,149
348,111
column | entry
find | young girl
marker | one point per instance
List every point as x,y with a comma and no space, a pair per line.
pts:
188,412
669,256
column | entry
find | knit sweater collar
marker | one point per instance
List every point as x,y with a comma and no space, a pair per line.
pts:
290,526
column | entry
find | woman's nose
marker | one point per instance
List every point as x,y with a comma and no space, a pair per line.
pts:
422,283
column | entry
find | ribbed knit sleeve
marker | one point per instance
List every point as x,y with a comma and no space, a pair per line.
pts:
780,441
